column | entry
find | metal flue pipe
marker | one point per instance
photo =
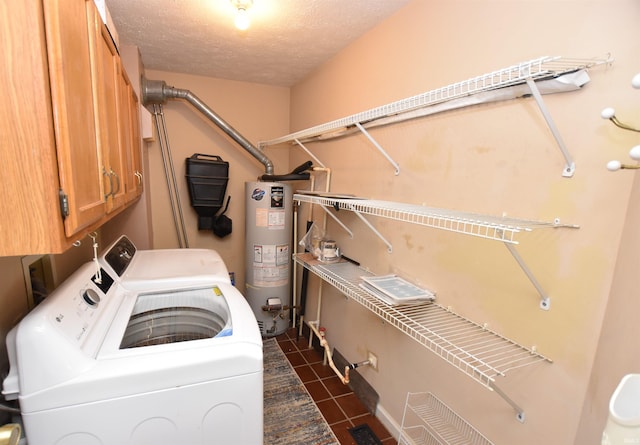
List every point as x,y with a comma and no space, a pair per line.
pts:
158,92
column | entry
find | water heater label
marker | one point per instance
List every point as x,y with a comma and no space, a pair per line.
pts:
271,219
270,264
277,219
262,217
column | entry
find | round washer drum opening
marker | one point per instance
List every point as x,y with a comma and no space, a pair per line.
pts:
171,325
176,316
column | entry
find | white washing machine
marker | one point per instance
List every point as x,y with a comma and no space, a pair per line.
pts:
175,359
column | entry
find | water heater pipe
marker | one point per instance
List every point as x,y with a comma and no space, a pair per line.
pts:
319,332
158,92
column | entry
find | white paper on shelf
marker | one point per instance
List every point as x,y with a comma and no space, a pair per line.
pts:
395,290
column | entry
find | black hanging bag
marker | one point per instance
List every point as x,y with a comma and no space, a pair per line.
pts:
207,177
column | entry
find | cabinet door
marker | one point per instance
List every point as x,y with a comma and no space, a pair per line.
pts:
136,154
129,121
106,73
79,158
30,219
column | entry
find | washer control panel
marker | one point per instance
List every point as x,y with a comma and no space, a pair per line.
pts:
79,303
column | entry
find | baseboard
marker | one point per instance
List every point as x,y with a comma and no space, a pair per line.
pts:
389,423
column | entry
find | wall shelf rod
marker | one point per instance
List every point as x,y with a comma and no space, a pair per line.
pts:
453,96
502,229
470,347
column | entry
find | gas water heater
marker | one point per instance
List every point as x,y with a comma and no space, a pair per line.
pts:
268,235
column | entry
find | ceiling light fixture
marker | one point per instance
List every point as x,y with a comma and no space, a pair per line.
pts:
242,20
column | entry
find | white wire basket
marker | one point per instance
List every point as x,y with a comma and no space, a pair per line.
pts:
428,421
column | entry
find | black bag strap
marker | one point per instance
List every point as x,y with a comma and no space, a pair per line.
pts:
226,206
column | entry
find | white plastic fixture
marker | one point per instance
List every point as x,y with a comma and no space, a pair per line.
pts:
242,20
608,113
614,165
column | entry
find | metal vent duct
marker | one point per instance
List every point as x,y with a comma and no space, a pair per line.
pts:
158,92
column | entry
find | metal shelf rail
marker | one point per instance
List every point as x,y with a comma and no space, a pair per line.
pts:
528,73
429,421
502,229
472,348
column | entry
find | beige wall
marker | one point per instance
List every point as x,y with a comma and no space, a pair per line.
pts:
257,112
491,159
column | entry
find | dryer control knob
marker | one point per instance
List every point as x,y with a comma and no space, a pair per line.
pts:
91,297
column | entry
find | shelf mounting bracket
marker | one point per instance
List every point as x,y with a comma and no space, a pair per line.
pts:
379,147
307,151
373,229
545,301
337,220
570,166
519,411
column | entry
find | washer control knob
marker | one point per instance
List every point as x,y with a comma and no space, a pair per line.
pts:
91,297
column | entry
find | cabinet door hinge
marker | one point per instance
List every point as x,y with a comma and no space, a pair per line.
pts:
64,203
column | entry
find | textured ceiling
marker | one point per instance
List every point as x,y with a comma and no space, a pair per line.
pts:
287,39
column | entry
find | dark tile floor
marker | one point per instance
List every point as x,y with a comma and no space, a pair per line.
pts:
338,404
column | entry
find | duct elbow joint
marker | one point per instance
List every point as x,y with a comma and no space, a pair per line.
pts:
268,166
153,92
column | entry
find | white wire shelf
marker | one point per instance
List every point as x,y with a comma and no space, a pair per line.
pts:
429,421
502,229
536,69
472,348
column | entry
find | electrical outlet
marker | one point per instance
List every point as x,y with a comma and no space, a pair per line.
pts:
373,360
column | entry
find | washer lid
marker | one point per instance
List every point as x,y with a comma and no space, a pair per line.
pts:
168,268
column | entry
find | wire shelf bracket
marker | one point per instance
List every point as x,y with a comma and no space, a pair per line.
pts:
373,229
570,166
545,301
379,147
477,351
337,220
307,151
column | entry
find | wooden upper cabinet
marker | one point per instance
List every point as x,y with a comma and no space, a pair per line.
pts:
65,159
79,157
